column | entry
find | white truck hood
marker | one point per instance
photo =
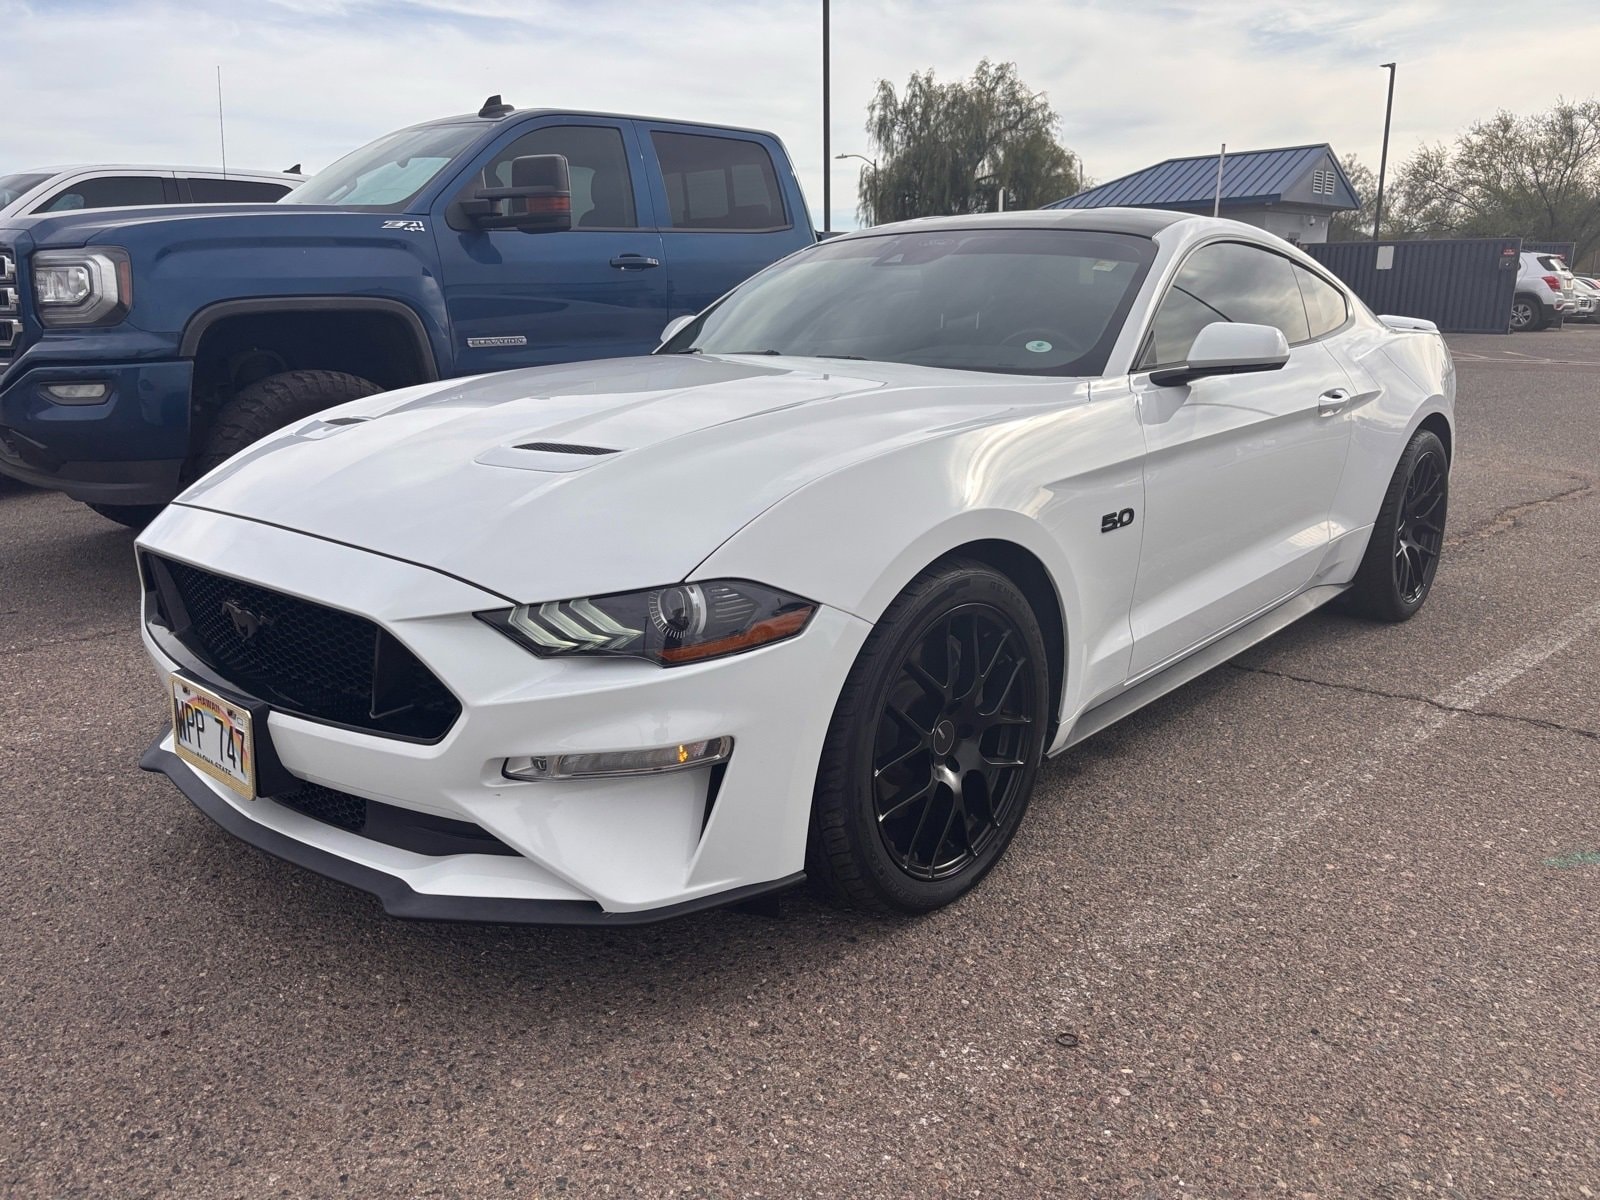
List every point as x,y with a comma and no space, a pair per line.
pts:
638,468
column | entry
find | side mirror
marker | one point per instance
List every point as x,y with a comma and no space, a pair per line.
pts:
539,199
675,327
1228,349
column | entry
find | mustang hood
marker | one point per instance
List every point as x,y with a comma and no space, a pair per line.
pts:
592,477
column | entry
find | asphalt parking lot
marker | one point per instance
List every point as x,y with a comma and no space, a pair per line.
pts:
1324,923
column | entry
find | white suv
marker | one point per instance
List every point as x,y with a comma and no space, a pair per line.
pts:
1545,292
60,189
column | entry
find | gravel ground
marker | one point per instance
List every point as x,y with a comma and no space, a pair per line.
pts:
1324,923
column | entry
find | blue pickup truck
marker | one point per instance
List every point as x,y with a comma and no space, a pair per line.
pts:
140,347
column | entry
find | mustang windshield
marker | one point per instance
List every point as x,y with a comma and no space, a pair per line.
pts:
1022,301
387,173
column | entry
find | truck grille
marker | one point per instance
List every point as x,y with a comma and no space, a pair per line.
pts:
10,305
300,657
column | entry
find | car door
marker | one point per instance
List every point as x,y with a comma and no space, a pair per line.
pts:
723,213
1240,470
596,290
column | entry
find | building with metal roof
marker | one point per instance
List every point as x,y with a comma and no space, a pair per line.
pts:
1291,191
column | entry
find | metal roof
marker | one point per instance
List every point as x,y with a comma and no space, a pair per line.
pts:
1249,177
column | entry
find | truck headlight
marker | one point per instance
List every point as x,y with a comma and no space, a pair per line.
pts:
673,625
82,287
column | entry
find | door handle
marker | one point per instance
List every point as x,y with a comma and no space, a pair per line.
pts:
634,262
1332,401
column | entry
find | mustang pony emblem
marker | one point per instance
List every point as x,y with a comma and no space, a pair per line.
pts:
245,623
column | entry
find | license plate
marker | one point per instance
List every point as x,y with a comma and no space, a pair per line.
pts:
214,736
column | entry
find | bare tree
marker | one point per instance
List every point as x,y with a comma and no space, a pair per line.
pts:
945,148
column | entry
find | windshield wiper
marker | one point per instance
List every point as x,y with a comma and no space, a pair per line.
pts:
771,352
852,357
689,350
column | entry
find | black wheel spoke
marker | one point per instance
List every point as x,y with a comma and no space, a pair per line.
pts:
952,755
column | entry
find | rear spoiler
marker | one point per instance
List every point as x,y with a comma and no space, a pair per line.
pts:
1410,324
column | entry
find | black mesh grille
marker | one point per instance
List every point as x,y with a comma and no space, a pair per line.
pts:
564,448
306,658
325,804
419,832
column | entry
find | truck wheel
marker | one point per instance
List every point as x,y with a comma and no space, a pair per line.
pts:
134,516
269,404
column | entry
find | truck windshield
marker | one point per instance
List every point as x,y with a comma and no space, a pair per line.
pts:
1019,301
388,173
13,187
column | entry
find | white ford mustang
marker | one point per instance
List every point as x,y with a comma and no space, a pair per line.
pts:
811,590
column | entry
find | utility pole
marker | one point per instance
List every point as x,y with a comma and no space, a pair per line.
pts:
1216,203
827,125
1383,162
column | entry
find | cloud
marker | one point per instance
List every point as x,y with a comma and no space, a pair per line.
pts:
307,80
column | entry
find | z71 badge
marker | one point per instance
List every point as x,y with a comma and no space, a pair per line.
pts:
408,226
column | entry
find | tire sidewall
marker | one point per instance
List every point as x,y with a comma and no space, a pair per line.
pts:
960,587
1422,443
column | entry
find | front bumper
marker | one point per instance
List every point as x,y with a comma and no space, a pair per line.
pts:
599,850
127,449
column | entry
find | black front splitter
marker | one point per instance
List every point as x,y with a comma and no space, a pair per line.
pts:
399,899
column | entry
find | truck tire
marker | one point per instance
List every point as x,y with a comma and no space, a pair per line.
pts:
269,404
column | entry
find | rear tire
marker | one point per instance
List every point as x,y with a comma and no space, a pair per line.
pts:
1527,314
134,516
934,745
269,404
1397,571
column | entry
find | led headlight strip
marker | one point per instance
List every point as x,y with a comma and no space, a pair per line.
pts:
672,625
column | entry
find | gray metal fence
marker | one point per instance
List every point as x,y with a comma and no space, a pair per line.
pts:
1463,285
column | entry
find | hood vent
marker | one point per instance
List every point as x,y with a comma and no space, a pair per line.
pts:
563,448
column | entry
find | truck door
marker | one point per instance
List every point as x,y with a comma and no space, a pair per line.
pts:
722,208
597,290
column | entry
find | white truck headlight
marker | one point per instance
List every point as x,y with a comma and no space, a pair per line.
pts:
93,286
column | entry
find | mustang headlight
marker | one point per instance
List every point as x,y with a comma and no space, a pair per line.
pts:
680,623
82,287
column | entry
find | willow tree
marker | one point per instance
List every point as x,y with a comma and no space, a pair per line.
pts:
949,148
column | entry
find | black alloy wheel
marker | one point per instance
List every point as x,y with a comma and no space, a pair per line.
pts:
934,745
953,742
1397,572
1419,534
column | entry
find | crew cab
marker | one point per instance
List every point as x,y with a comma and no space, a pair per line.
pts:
141,347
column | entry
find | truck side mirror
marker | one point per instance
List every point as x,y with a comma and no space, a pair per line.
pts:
539,199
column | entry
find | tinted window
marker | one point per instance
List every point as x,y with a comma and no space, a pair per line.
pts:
1552,262
235,191
1023,301
1226,281
387,173
110,191
602,188
1326,309
12,187
719,183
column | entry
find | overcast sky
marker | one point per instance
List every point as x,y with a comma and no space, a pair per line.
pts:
1135,81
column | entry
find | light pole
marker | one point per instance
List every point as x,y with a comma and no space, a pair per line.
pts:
827,164
871,162
1383,162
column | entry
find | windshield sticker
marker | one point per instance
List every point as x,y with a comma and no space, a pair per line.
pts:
1038,347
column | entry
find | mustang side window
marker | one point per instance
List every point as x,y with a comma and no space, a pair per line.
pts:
1226,281
1326,308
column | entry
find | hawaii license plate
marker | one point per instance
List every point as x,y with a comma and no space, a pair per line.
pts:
213,736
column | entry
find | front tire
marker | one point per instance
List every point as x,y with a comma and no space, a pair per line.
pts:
934,745
269,404
1397,571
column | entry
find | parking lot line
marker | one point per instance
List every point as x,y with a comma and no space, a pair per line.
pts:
1248,849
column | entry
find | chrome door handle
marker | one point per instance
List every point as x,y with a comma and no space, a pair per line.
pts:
1332,401
634,262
